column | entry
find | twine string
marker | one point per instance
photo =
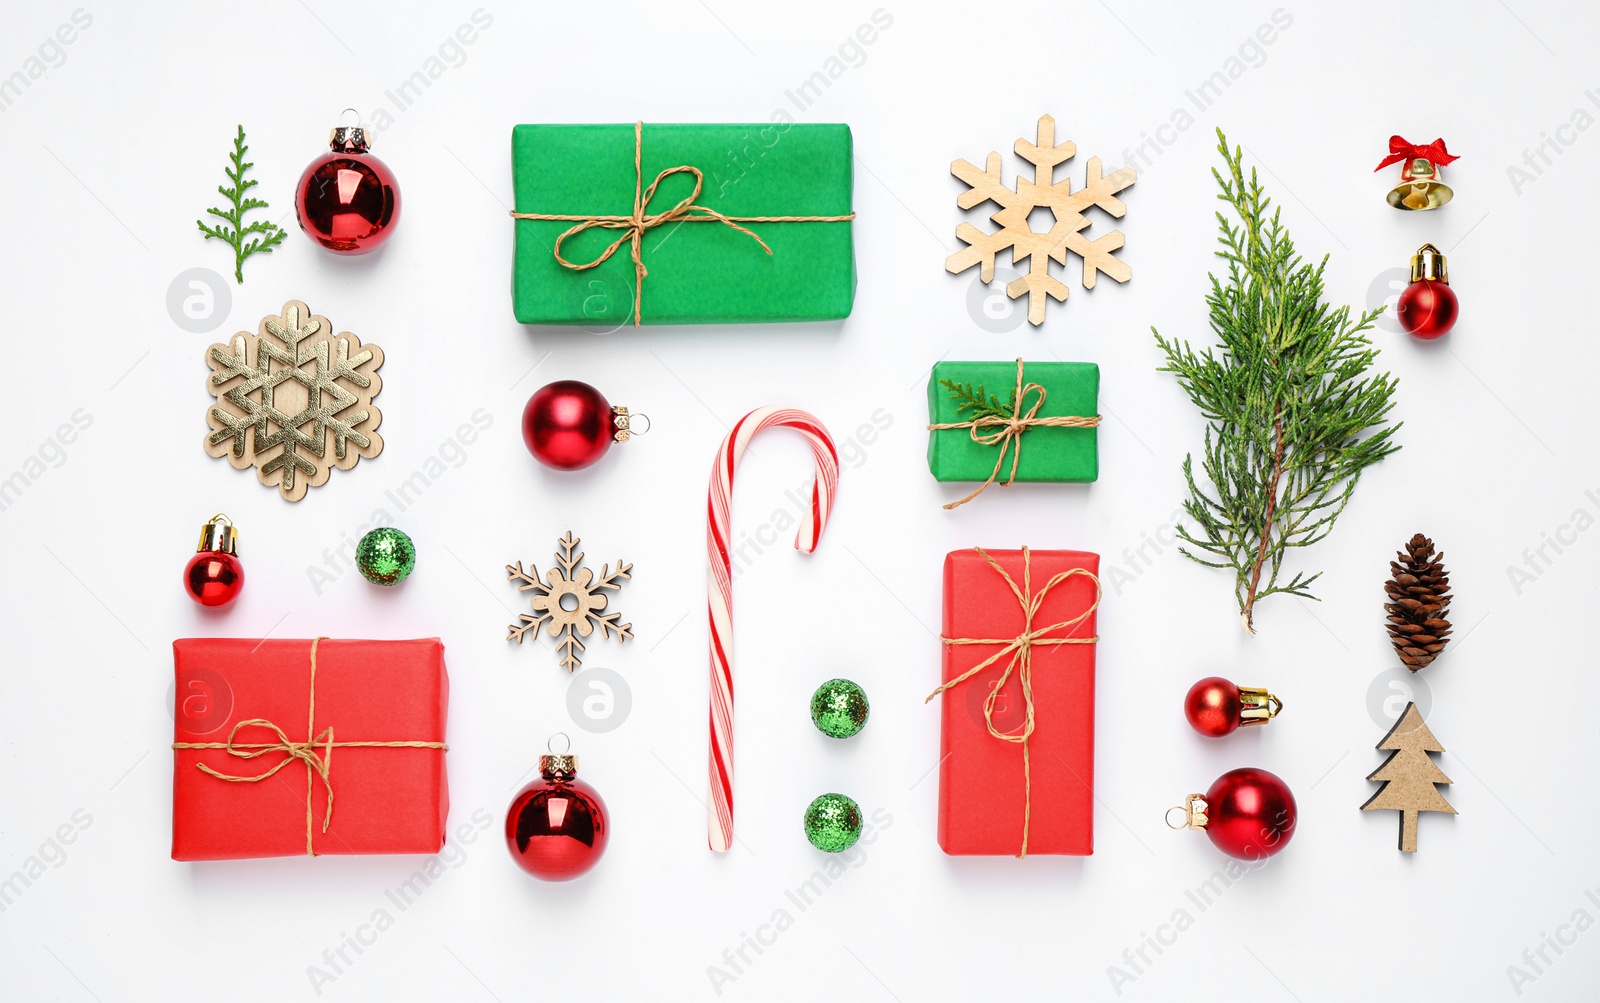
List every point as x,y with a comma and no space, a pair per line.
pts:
1020,663
316,753
637,223
993,430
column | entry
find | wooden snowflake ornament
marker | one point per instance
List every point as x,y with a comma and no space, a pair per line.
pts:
294,401
1043,192
570,601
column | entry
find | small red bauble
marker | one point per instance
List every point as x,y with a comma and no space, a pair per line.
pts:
214,575
1427,308
1216,707
557,827
569,425
1248,813
348,200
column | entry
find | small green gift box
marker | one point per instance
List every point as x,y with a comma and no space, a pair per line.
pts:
1013,421
682,224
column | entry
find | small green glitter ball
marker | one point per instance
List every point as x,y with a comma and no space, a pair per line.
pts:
839,708
833,823
386,556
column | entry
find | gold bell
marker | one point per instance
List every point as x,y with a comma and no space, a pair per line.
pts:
1421,186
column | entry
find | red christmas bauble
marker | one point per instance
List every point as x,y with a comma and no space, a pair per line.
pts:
1427,308
1213,707
1250,813
567,425
557,827
213,578
348,200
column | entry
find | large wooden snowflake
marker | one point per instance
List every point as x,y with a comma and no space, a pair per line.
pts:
570,601
294,401
1043,192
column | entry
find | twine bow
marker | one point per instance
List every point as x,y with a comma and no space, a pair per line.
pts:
635,224
1020,663
1401,149
316,753
993,430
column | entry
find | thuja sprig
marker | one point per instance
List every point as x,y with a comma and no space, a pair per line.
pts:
979,403
1293,411
237,230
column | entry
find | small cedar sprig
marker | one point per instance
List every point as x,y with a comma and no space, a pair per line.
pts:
1295,409
979,402
271,233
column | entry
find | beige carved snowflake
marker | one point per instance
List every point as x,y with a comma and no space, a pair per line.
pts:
570,601
294,400
1065,235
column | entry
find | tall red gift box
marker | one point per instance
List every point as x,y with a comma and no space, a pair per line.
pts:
265,730
1030,615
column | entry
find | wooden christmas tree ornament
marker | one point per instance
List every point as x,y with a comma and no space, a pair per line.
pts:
294,401
1409,776
1067,208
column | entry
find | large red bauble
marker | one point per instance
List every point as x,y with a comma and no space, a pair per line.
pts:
1213,707
567,425
1427,308
557,828
1250,813
213,578
348,202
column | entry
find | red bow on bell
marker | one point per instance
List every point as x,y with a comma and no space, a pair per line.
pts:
1401,149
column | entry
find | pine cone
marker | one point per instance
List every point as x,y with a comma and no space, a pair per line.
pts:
1419,589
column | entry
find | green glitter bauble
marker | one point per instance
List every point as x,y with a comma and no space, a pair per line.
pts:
839,708
833,823
386,556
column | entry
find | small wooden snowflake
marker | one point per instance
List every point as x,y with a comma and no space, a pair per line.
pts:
570,601
1065,235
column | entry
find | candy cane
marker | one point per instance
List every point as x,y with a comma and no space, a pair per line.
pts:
719,582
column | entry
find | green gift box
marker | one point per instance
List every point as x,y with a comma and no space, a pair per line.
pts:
978,431
696,258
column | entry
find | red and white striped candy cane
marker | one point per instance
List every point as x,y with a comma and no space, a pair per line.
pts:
719,582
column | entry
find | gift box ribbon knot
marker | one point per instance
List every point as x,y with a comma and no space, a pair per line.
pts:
316,753
1020,661
993,430
637,223
1401,149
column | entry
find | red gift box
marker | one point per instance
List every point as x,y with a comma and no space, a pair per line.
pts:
1017,621
322,747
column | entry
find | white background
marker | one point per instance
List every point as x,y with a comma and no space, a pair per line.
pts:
112,153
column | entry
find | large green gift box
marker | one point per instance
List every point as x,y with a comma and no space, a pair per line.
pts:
702,268
1056,430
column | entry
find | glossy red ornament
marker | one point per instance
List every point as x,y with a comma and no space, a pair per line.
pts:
557,826
1248,813
1427,308
569,425
348,200
1216,707
214,576
1212,707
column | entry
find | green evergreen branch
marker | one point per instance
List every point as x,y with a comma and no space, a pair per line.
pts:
978,402
1293,410
237,229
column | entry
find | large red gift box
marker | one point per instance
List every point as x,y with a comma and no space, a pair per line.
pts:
266,730
1006,795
